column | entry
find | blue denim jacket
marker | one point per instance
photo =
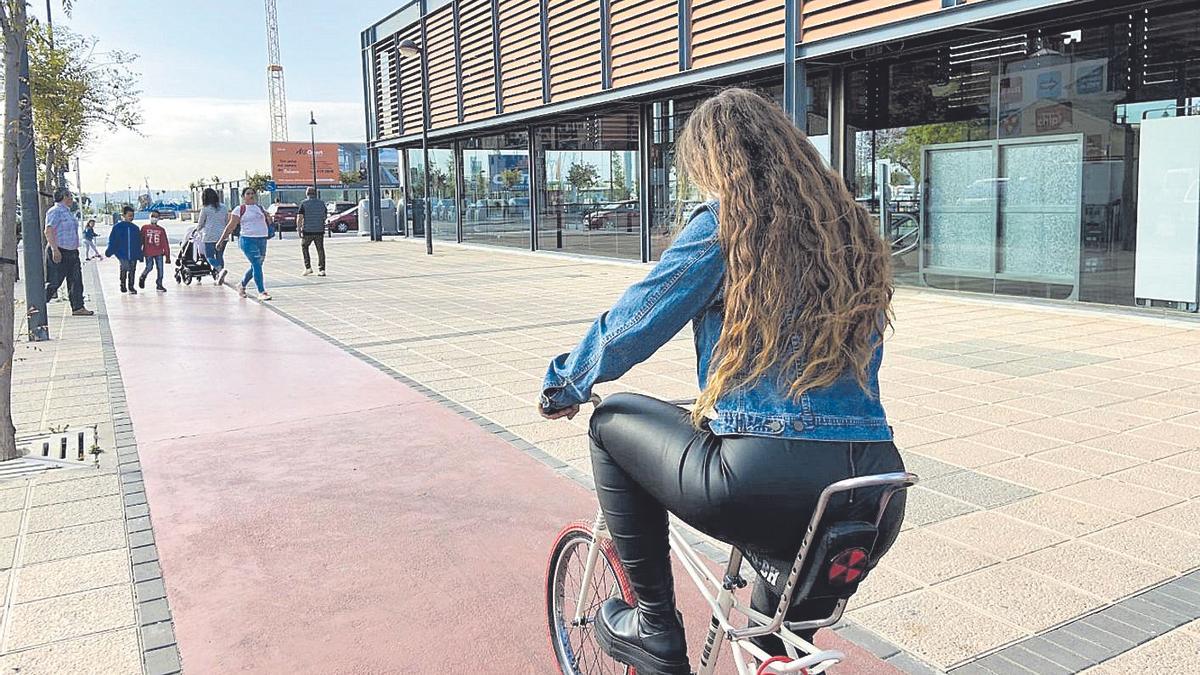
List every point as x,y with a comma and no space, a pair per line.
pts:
686,285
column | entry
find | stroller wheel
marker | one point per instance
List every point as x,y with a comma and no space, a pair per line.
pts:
187,279
178,278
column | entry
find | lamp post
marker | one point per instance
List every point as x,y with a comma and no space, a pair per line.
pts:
312,135
409,49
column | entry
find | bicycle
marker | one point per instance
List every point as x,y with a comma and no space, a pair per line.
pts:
831,562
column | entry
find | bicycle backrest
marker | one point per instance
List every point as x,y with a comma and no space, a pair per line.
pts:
834,557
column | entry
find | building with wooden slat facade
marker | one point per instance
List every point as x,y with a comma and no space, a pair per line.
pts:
997,142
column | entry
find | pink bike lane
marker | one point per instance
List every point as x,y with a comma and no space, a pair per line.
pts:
315,515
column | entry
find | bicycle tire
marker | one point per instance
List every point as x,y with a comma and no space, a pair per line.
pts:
575,649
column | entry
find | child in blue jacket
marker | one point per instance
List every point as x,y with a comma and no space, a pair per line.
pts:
125,242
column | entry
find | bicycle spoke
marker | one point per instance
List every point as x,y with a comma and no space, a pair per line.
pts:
579,641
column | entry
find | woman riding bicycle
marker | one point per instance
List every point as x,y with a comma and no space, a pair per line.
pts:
787,284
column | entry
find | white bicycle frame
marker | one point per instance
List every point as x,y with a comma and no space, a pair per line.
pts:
721,597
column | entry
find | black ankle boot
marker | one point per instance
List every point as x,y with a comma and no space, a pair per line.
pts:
651,642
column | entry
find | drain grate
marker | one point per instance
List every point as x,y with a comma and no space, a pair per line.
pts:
56,450
27,466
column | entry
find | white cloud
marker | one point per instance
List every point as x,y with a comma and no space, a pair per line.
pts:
184,139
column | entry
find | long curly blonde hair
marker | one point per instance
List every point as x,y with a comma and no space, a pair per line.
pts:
808,282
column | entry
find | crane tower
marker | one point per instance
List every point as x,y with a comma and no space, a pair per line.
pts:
275,88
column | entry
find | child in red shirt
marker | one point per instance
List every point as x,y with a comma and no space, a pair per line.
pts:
156,248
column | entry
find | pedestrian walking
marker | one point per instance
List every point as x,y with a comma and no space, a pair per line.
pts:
62,252
125,244
156,249
252,219
89,240
213,218
312,230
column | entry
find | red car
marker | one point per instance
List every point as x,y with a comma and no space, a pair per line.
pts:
618,216
283,216
343,217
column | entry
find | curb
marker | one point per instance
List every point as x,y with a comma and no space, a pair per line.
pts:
156,629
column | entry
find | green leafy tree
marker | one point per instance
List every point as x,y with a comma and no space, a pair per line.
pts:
510,178
258,181
479,184
582,176
903,146
620,190
350,177
77,93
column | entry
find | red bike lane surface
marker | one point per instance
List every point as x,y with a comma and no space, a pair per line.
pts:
314,515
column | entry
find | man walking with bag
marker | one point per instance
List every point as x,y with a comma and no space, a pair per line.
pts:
312,230
62,252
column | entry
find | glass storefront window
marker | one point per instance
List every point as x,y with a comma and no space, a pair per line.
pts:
672,197
1010,164
588,188
495,201
442,206
414,204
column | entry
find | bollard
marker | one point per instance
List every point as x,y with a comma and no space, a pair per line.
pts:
45,448
81,446
62,451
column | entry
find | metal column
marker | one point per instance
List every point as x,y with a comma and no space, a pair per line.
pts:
374,199
645,129
31,215
535,197
460,189
837,120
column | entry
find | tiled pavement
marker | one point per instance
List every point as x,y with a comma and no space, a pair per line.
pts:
1059,445
77,559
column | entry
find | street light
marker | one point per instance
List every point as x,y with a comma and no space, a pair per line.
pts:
312,135
409,49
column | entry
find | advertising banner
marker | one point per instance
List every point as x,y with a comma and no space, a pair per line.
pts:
291,163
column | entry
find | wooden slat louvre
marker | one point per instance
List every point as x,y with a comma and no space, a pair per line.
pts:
520,54
478,60
410,85
829,18
387,103
573,34
725,30
443,70
645,40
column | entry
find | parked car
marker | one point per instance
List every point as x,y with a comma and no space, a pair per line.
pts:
344,220
332,208
621,215
283,216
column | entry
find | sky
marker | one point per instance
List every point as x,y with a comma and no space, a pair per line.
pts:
202,66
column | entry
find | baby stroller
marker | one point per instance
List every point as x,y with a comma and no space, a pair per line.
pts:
191,263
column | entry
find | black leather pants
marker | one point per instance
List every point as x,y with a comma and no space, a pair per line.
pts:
754,492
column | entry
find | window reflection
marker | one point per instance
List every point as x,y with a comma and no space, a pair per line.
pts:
588,192
495,200
442,209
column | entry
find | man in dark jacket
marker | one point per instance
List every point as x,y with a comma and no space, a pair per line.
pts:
312,230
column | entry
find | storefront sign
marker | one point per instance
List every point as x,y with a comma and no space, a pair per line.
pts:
1053,117
292,164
